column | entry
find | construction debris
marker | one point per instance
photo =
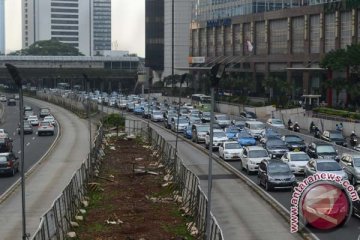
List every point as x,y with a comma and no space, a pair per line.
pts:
113,220
168,178
74,224
71,235
192,229
79,218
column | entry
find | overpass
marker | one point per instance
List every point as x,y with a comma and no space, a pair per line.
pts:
47,71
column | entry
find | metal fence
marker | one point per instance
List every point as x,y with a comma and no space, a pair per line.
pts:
194,201
55,223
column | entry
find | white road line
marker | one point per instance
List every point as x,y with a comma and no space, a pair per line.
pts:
33,138
19,152
14,133
28,144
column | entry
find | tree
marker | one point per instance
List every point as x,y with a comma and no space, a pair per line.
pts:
49,48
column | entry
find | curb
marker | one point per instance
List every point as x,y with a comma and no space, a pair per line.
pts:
14,187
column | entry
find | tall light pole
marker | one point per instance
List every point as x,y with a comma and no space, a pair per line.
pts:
216,73
87,80
14,73
172,41
183,77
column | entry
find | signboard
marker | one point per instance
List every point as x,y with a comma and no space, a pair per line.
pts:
218,22
344,5
196,59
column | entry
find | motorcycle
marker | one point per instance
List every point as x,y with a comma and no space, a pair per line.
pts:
353,141
312,129
291,127
296,128
317,134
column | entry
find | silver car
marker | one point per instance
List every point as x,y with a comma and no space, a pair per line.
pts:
223,120
324,165
351,165
296,161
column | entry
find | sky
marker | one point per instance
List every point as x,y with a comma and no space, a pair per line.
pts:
128,25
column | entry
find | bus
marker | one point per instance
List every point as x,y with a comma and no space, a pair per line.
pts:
201,102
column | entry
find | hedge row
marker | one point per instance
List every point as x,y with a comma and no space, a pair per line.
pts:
335,112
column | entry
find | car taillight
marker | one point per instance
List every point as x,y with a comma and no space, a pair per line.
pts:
10,163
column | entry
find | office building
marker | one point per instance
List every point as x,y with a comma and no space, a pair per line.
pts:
101,26
283,39
2,27
85,24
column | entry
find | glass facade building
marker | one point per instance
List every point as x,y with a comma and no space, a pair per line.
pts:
101,25
2,27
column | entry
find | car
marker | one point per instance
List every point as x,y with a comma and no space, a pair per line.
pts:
167,121
275,174
5,143
11,102
223,120
138,110
2,98
334,136
269,133
245,139
50,119
250,158
205,117
146,113
3,133
179,124
28,128
46,128
231,133
184,112
230,150
238,124
130,106
9,163
156,116
276,147
294,142
27,114
275,122
195,113
27,108
324,165
218,138
255,128
33,120
319,149
351,165
193,119
296,161
44,112
248,116
356,204
188,133
16,96
168,113
199,132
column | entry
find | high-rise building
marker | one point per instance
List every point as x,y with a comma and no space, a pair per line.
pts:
75,22
101,26
154,35
2,27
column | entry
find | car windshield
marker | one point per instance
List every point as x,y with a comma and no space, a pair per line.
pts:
272,133
183,120
275,143
293,139
232,146
277,121
206,114
194,112
336,135
300,157
157,113
328,166
325,149
250,115
232,130
356,162
45,124
194,119
244,134
203,128
257,126
222,117
219,134
276,168
258,154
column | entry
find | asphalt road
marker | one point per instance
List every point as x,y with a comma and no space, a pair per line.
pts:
35,147
351,231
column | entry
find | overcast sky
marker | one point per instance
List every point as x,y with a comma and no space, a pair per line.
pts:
128,25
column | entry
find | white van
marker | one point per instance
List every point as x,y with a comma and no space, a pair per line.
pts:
255,128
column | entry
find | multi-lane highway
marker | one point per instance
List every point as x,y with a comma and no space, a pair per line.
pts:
350,231
35,146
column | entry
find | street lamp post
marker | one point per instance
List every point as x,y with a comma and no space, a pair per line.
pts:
18,81
87,80
183,77
216,74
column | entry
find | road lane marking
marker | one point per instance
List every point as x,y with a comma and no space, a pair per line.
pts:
19,152
14,133
28,144
33,138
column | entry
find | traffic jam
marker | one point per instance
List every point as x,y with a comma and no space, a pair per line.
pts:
41,123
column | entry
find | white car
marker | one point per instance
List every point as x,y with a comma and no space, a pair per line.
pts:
296,161
275,122
219,137
157,116
255,128
45,128
230,150
223,120
50,119
251,156
3,133
33,120
2,98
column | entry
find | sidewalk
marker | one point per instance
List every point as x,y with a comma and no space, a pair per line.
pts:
48,181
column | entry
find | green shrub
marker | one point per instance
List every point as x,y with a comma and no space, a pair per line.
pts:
114,120
336,112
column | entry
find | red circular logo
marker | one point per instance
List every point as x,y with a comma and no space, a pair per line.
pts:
325,206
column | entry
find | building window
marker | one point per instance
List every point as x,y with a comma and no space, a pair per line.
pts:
210,42
345,29
315,34
228,41
278,36
330,28
237,40
260,45
219,41
202,42
298,35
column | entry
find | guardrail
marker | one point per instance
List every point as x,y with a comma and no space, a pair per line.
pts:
194,200
55,223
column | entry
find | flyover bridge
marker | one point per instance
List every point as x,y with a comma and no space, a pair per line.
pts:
48,71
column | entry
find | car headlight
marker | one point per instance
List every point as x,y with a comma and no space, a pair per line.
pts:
293,178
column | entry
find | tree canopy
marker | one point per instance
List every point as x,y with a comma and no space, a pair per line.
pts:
49,48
